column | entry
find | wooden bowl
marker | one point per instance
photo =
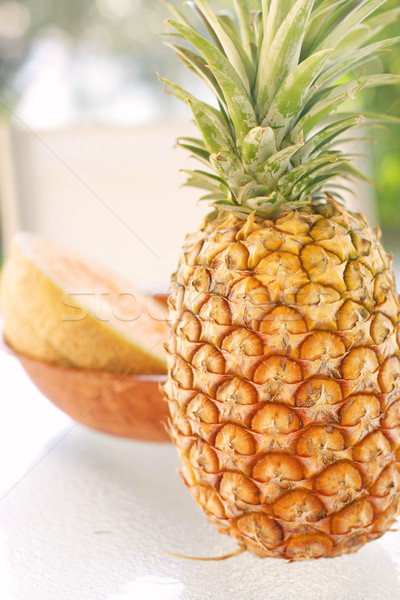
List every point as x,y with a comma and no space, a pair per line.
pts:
130,406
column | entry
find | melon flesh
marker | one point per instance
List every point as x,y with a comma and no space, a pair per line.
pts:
62,309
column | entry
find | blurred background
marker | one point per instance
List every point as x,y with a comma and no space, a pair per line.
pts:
87,134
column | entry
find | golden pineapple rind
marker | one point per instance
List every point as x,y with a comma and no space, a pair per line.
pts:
284,380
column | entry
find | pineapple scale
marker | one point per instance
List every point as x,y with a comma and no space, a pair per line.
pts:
284,380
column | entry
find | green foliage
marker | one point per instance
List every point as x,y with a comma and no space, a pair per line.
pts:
280,81
385,152
126,28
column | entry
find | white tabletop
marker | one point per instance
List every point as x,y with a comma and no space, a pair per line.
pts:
82,514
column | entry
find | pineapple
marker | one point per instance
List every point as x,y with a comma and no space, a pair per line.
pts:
284,350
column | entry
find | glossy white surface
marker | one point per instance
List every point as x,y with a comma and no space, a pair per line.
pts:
82,514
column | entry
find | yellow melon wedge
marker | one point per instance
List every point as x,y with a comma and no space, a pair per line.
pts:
67,311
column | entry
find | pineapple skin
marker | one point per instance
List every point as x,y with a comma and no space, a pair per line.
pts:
284,380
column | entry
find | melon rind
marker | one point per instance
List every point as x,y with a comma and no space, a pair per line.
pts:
41,317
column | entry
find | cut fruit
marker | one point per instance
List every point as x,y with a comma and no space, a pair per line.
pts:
60,309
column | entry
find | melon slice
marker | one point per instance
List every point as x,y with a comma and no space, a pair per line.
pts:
67,311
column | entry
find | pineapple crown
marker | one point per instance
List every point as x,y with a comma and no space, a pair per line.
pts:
279,70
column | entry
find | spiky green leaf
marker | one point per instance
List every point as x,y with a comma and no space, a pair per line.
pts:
319,110
355,60
258,145
238,59
235,96
290,98
351,20
281,57
208,119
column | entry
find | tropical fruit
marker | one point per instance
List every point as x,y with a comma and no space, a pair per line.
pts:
60,309
283,353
